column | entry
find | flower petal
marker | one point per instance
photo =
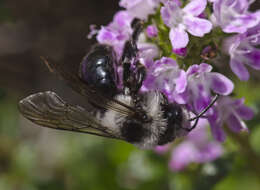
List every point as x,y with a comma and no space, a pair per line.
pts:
179,38
201,99
122,19
199,135
197,26
105,36
129,4
149,82
193,69
147,51
254,59
241,23
219,83
168,61
205,68
180,52
181,82
254,34
182,155
139,8
151,31
239,69
218,133
179,98
162,149
195,7
215,126
167,11
245,112
200,103
235,123
233,102
210,152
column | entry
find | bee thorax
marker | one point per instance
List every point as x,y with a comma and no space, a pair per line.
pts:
145,133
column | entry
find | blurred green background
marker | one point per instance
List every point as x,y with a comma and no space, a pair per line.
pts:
34,158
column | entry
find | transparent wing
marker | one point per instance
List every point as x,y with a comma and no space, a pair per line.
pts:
47,109
70,73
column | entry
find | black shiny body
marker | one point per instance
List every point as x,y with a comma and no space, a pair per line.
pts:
98,69
145,119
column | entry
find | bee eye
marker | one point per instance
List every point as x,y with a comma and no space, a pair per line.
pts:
145,117
173,113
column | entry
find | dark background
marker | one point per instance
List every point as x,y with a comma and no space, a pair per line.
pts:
53,29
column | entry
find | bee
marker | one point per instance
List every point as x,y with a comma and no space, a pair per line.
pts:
145,119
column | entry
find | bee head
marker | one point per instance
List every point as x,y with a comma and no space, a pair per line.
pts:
177,120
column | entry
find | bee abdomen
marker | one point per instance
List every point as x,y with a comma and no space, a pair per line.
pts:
98,69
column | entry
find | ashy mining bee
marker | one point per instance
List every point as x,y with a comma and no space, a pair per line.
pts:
145,119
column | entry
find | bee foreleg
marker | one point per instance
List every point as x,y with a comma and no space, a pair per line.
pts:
139,77
132,81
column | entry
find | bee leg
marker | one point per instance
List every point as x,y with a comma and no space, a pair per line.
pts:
128,75
137,26
140,76
127,78
130,48
133,80
129,52
129,55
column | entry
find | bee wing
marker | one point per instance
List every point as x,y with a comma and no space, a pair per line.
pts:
70,73
47,109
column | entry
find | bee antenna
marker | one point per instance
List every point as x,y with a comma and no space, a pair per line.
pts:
206,109
193,126
137,26
197,117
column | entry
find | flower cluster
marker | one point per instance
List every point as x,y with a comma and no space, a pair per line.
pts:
180,47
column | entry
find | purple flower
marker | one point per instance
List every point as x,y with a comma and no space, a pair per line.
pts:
162,149
140,8
196,148
93,31
166,76
242,51
186,19
117,32
233,16
180,52
200,83
232,112
152,31
147,52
